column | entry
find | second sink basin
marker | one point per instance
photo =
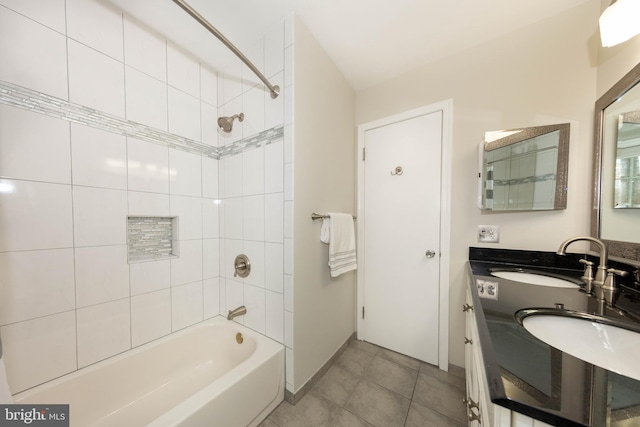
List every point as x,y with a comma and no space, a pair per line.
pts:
601,341
534,278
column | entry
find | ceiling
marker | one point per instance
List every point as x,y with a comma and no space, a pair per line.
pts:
370,41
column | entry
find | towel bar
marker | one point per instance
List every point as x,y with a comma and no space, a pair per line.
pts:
315,216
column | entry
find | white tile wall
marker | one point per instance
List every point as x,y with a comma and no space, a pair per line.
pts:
99,158
37,54
88,66
188,267
184,114
185,173
274,50
23,343
42,283
232,177
50,13
210,218
28,209
64,210
253,167
149,276
148,204
210,178
104,330
253,105
99,216
147,166
208,85
210,258
232,218
254,300
274,267
101,274
253,218
96,24
186,305
183,71
231,83
189,212
274,217
209,124
146,99
23,133
150,316
144,50
211,297
275,315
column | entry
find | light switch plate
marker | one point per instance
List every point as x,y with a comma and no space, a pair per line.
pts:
488,233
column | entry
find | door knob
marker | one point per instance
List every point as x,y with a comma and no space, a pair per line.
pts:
430,254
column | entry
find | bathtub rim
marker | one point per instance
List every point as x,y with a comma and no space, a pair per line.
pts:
262,341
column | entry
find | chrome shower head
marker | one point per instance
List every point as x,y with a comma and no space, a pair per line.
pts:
226,123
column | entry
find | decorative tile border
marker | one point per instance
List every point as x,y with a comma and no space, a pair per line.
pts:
21,97
266,137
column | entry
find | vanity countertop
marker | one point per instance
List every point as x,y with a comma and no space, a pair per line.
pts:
528,376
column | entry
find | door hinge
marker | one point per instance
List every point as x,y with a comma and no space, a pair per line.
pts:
363,311
364,154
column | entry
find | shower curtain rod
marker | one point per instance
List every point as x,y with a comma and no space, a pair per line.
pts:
274,89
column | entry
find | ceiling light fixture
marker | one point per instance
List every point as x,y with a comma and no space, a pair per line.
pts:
619,22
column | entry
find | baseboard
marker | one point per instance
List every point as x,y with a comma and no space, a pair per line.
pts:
294,398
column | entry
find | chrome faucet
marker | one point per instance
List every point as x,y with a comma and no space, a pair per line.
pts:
601,272
237,312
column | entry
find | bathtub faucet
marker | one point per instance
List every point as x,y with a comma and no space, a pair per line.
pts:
237,312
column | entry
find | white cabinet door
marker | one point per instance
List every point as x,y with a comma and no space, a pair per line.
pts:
473,370
480,410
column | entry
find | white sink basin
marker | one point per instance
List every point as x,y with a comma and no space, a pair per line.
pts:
606,345
535,279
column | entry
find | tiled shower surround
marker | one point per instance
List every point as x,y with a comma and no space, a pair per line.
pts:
145,144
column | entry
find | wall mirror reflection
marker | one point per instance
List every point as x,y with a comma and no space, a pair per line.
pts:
626,184
618,147
525,169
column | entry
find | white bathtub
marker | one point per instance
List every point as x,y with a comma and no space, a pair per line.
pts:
196,377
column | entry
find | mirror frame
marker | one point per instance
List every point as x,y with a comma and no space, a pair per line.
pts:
627,250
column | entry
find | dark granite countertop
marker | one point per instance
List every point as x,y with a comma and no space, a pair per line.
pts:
528,376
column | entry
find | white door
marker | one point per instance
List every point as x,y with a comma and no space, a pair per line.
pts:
400,214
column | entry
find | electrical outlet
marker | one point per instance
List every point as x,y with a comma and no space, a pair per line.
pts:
488,233
487,289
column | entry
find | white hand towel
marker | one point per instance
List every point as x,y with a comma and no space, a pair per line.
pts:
342,242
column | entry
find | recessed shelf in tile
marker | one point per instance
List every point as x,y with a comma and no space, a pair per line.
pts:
152,238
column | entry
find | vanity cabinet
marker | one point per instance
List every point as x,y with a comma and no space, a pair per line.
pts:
481,411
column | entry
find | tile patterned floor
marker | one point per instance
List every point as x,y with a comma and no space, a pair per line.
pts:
371,386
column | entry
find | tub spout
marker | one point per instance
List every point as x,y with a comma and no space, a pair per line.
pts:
237,312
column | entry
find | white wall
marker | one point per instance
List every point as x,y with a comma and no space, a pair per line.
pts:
68,297
542,74
324,162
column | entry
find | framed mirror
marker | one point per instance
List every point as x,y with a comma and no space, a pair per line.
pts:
524,169
615,217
